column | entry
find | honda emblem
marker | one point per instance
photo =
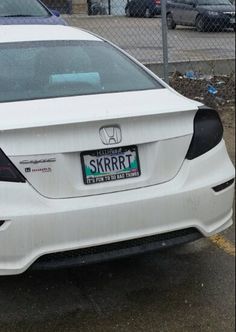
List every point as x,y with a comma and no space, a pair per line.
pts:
110,135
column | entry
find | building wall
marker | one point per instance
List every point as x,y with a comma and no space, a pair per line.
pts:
117,7
79,6
68,6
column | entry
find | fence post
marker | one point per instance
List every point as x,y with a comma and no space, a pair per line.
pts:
109,7
164,40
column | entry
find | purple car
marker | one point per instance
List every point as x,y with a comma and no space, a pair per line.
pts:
28,12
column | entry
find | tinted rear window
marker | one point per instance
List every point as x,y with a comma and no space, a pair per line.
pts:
35,70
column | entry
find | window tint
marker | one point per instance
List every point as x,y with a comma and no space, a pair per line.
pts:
35,70
9,8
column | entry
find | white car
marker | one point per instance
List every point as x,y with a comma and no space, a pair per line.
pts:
98,157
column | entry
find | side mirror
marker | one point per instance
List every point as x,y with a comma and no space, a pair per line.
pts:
56,12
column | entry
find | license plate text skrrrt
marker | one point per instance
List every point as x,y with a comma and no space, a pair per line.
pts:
110,164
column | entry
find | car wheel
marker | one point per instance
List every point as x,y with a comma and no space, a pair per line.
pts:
200,25
127,12
147,13
170,22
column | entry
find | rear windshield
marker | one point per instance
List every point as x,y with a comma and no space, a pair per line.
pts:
20,8
35,70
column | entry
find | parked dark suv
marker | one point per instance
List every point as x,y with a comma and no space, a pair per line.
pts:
143,8
205,15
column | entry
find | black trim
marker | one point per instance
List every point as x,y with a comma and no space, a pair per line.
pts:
112,251
2,222
223,186
17,176
208,132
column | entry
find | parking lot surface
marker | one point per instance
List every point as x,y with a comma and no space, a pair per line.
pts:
182,289
143,38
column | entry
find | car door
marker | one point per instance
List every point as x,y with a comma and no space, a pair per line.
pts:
189,12
142,5
129,5
177,9
194,13
134,7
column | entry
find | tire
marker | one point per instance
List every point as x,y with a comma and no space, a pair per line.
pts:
170,22
127,12
199,24
147,13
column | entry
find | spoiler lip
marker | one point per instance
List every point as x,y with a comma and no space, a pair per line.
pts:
99,107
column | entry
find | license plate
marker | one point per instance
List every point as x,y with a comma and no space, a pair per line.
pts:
110,164
232,20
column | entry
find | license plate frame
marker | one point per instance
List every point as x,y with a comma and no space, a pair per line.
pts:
128,152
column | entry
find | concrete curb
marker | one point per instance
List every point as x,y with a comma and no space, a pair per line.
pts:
215,67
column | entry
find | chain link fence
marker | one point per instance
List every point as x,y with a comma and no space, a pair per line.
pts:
190,43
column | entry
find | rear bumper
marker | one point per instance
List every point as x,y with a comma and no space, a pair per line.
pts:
35,226
116,250
219,22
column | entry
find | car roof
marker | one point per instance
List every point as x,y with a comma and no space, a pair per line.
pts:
20,33
51,19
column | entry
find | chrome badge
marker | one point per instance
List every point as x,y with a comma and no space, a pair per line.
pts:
110,135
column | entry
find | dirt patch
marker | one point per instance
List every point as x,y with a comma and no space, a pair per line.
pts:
213,91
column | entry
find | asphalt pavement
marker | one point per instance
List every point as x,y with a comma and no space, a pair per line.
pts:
142,38
190,288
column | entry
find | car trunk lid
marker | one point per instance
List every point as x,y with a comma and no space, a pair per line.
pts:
45,138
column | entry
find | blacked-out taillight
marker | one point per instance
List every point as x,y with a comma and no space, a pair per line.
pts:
208,132
8,172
